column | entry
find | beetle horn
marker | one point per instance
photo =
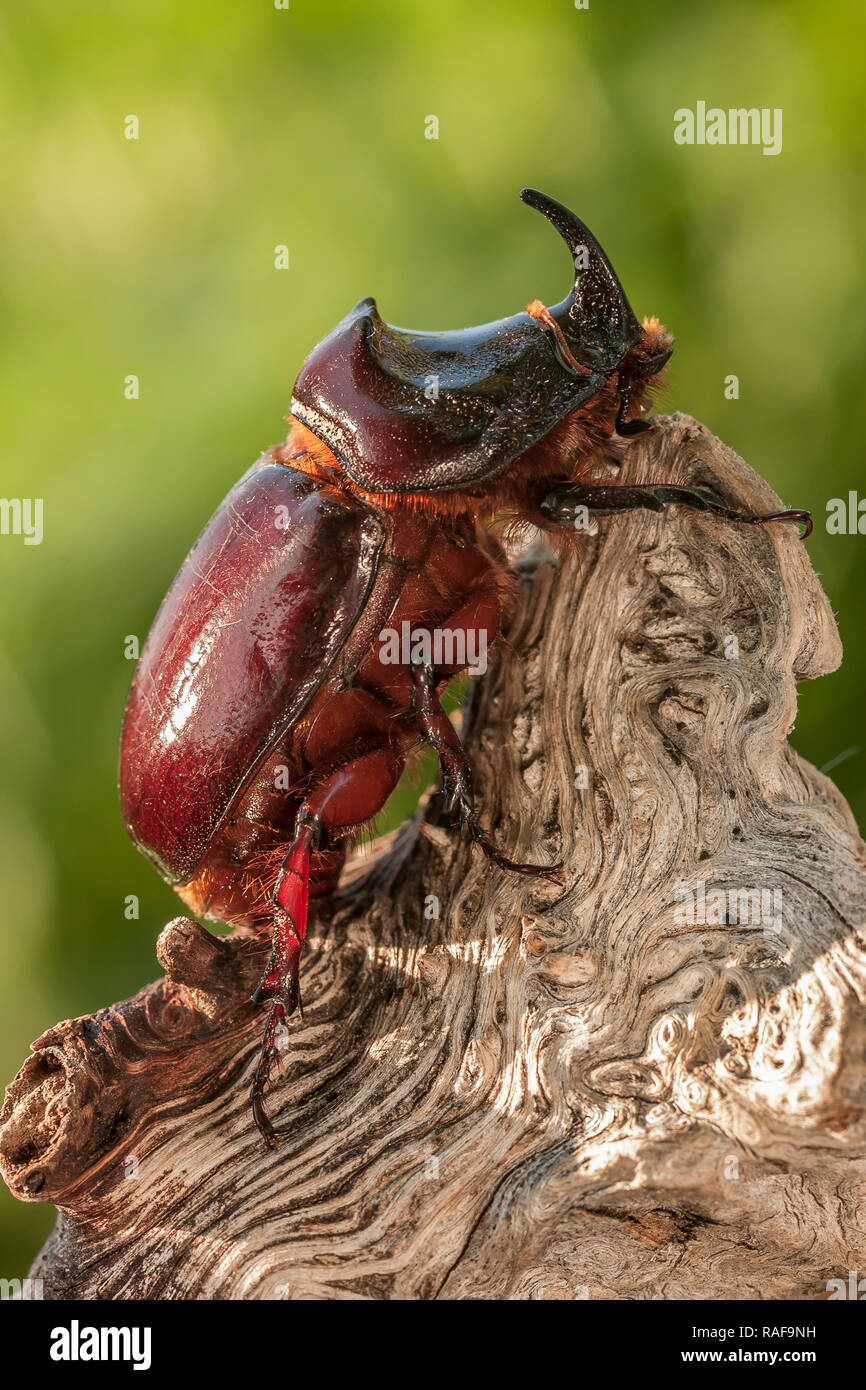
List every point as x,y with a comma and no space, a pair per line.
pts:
596,318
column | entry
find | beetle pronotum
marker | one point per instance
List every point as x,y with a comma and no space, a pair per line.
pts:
264,729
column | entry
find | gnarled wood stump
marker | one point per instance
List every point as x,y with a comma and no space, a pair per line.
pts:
647,1084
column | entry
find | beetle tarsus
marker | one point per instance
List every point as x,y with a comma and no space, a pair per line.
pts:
280,981
276,1021
552,871
274,1040
565,504
438,731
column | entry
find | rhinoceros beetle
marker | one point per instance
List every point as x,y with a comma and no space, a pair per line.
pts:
264,728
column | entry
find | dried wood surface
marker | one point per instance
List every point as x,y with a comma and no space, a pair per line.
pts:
543,1092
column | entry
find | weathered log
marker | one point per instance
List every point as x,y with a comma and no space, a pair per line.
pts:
608,1089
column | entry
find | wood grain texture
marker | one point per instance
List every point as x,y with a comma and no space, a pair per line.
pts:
543,1092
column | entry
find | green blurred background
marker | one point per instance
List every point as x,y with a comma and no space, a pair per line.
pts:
306,127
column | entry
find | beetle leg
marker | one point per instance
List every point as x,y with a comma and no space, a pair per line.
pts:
565,504
437,730
290,899
346,798
280,980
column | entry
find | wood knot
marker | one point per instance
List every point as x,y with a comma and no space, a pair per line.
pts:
192,956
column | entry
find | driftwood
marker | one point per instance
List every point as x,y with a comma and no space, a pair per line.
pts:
542,1092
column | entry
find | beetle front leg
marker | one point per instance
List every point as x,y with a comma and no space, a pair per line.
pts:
567,503
437,730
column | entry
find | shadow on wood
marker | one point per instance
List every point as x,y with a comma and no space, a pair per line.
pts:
649,1084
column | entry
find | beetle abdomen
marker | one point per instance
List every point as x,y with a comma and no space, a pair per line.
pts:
260,609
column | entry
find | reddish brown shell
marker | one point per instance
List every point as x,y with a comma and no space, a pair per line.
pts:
245,636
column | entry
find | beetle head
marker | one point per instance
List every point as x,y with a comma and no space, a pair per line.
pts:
406,412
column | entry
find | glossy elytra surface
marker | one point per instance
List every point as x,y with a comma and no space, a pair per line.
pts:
244,638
